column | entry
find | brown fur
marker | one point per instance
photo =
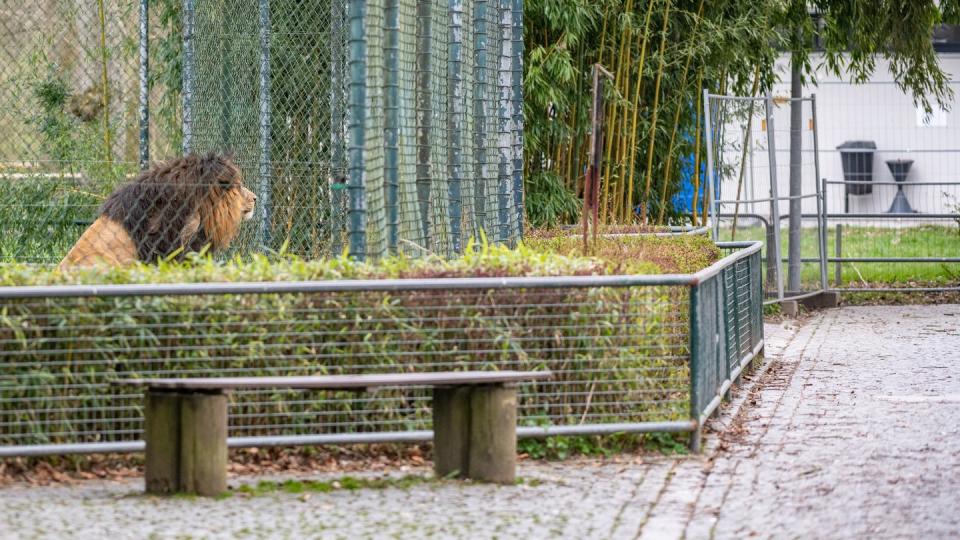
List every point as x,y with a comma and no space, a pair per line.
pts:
183,205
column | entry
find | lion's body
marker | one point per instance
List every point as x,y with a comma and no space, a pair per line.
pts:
174,208
105,242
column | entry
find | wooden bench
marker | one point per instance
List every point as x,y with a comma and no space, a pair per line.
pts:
474,423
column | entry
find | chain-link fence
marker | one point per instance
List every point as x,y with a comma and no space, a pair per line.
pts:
366,126
628,353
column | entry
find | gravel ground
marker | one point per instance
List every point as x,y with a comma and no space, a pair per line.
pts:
850,432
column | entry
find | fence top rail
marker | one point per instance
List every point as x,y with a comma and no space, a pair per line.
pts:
340,382
744,250
893,183
372,285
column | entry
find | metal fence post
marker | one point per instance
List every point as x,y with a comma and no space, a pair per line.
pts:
695,367
772,258
424,115
838,251
504,123
144,73
517,82
187,76
455,121
392,127
338,166
357,106
775,202
821,196
713,216
480,112
265,190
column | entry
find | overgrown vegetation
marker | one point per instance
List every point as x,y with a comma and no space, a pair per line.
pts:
563,447
618,354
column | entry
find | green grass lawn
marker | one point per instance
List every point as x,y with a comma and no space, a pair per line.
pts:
857,241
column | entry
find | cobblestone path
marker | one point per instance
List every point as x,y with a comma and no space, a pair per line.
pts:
851,432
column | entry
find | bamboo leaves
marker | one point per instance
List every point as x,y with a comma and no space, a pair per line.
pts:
662,54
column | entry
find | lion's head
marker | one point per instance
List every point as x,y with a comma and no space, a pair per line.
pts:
187,203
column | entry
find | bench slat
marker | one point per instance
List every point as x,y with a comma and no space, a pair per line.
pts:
341,382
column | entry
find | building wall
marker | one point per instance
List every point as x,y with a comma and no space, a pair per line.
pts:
876,111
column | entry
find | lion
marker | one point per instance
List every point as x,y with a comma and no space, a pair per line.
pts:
176,207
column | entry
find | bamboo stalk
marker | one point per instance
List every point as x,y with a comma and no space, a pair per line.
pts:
636,102
696,149
656,112
668,169
614,124
570,179
625,195
108,153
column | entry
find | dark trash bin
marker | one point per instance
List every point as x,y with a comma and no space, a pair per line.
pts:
856,157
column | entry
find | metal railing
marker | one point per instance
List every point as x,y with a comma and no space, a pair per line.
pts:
918,250
629,353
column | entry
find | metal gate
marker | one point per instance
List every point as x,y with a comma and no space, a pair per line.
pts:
748,168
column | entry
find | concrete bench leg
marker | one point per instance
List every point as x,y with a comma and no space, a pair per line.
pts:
186,439
475,432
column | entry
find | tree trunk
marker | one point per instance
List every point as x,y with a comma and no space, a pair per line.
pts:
796,176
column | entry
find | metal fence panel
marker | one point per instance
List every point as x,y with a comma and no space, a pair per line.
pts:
726,328
749,168
630,353
619,354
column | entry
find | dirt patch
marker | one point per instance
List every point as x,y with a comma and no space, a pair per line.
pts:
243,461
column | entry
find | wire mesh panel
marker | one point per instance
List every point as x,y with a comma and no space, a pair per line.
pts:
726,326
70,109
618,354
373,126
440,141
892,189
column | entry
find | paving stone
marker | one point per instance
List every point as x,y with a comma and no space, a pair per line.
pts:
851,432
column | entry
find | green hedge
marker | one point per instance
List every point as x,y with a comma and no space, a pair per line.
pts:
619,354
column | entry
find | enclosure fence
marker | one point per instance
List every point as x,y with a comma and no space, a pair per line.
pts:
366,126
628,353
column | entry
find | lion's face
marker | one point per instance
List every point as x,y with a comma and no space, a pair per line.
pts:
231,205
249,202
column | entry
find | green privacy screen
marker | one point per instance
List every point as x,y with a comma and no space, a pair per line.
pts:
371,127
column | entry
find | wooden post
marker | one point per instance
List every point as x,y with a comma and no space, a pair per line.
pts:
162,436
493,434
451,430
203,443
